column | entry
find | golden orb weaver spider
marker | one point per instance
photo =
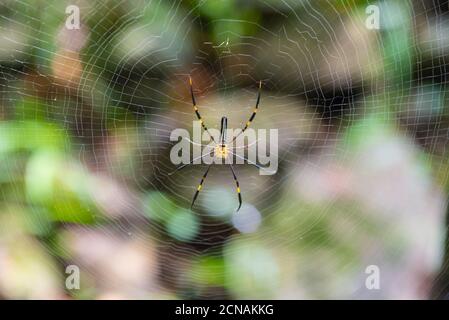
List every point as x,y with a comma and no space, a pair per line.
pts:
221,149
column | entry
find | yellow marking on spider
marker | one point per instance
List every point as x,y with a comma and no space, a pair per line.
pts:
221,151
238,189
195,108
248,123
199,187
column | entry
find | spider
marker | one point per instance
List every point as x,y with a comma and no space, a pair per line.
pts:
221,149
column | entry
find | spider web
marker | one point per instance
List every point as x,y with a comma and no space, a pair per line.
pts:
362,122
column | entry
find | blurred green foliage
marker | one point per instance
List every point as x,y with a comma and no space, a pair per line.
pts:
75,152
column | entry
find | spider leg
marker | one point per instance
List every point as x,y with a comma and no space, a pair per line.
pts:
199,187
238,186
187,164
250,162
195,108
253,115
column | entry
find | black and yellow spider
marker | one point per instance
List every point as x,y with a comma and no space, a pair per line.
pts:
221,149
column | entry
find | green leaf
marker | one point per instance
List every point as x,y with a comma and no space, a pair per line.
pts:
183,225
64,192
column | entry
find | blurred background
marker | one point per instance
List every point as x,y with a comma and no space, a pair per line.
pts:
86,115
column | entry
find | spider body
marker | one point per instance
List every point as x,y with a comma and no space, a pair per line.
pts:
221,149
